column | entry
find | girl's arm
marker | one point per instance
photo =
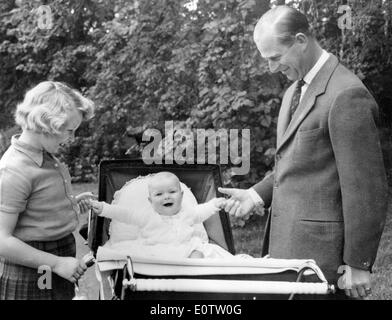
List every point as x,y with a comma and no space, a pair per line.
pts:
21,253
14,193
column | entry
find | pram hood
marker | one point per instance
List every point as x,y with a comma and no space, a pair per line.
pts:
202,179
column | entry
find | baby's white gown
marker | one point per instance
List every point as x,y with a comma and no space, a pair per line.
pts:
136,229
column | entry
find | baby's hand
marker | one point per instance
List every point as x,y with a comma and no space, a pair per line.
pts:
220,202
96,206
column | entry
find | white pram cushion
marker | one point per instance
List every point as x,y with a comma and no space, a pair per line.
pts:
109,259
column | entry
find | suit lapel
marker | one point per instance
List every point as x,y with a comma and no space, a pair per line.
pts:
316,88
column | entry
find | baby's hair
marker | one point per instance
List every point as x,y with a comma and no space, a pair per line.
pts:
163,175
44,108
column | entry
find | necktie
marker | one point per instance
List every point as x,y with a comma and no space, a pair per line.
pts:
296,97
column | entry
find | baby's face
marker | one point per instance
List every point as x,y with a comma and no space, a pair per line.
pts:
165,196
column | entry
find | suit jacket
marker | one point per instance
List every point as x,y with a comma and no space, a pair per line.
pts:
328,190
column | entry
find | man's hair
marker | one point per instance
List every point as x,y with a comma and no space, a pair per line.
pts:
44,108
287,22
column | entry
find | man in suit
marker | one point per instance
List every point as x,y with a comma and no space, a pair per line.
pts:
328,189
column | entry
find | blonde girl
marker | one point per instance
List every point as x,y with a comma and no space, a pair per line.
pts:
38,211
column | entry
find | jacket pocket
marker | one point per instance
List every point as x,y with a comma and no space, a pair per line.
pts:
310,134
322,229
321,241
308,145
322,221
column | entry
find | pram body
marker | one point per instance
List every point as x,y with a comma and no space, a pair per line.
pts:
204,181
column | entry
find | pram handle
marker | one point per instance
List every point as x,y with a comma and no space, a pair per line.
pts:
310,265
88,260
232,286
228,286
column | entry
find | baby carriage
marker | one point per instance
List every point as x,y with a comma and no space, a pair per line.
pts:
144,278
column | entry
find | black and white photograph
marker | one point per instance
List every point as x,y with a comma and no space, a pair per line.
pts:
195,154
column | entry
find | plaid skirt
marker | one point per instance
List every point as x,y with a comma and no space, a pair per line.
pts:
18,282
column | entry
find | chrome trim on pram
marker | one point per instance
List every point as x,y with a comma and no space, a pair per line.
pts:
232,286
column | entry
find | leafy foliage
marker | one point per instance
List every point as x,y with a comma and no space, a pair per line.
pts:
151,61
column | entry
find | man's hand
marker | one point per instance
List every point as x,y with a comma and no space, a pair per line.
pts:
240,202
83,201
355,282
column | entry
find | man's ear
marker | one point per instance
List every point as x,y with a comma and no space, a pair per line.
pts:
301,38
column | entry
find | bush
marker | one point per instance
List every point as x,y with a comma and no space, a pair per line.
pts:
147,62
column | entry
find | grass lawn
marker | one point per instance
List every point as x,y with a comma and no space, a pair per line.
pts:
248,240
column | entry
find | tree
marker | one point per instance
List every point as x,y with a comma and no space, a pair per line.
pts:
145,62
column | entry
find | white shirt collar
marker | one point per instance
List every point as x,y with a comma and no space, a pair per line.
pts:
316,68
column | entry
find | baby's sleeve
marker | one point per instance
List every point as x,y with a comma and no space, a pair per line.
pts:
205,210
123,214
15,191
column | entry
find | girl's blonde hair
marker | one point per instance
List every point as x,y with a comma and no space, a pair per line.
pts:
44,108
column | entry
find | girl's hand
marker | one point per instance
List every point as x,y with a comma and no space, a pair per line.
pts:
84,206
83,201
70,268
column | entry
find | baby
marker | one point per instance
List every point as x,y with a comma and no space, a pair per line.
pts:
170,223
